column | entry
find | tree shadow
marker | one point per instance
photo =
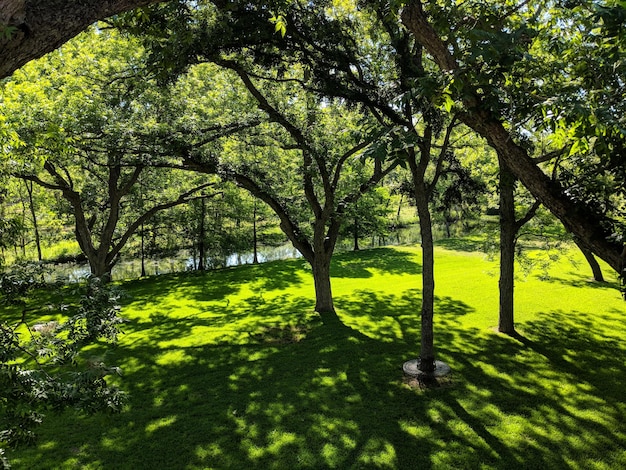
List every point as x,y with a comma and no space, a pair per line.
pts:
577,279
360,264
335,398
466,244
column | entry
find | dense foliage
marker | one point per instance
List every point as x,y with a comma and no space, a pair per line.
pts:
44,366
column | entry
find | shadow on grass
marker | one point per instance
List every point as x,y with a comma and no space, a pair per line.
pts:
335,398
218,284
360,264
582,280
462,244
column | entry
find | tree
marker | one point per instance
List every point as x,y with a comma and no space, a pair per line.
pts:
326,192
241,39
509,228
478,56
92,143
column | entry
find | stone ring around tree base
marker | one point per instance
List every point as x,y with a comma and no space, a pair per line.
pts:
411,368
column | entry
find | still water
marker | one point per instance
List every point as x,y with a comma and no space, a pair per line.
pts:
185,261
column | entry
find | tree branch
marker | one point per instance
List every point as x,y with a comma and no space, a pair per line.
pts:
132,228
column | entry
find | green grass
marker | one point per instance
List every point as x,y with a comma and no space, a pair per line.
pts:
232,369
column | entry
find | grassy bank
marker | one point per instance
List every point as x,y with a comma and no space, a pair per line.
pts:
232,369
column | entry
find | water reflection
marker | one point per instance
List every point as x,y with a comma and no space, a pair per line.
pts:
181,261
184,260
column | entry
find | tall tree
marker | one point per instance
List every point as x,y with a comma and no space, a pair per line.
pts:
479,56
324,191
87,133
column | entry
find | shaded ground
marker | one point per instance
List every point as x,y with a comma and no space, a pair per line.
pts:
289,391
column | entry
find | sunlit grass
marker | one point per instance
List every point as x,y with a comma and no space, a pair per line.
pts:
232,369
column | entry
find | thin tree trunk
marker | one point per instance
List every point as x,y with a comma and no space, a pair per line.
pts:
31,205
506,322
427,349
399,209
201,236
255,242
143,252
356,234
21,237
593,263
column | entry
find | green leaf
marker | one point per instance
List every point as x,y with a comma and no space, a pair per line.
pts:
280,24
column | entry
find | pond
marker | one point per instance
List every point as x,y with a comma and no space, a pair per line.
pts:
185,261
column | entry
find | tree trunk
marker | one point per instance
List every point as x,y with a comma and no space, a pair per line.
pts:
427,348
255,242
201,236
143,252
399,210
321,278
506,323
41,26
593,263
100,268
31,205
575,216
355,234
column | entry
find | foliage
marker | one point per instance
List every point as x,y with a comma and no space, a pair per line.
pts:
551,71
96,132
45,365
368,216
459,197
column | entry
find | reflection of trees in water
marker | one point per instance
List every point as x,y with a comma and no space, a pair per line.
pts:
184,260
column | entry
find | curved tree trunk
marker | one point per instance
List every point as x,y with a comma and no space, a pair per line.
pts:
36,27
592,261
575,216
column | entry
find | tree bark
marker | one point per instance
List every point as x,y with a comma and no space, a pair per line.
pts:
427,348
202,236
421,192
321,277
508,230
36,27
255,241
592,261
143,252
31,205
574,215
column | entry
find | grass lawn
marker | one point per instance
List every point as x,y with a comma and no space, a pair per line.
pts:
232,370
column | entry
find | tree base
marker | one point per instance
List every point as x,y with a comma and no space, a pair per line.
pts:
411,368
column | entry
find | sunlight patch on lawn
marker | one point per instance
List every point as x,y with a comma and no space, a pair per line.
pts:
378,453
160,423
173,356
